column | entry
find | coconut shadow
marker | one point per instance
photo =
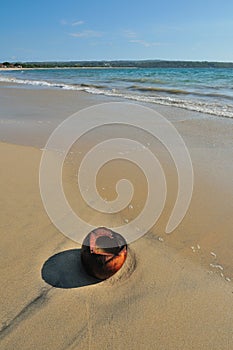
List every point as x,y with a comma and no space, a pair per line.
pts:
65,270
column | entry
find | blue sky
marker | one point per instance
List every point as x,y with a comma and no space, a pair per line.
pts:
96,30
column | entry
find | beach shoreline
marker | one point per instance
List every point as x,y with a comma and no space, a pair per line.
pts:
54,68
175,292
197,90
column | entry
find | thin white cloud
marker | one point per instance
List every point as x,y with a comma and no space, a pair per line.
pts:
64,22
129,34
77,23
87,34
145,43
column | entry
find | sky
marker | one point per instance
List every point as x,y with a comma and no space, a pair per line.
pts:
112,30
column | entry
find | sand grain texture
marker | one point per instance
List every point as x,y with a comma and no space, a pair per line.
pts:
167,296
167,302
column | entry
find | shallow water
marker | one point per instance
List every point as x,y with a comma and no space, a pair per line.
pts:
207,90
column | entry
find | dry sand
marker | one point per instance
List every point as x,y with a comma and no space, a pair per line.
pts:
166,296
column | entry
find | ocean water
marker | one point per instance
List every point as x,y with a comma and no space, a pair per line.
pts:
204,90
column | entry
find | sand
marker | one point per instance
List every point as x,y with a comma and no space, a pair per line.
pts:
171,292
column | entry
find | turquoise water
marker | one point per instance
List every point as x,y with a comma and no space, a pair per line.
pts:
205,90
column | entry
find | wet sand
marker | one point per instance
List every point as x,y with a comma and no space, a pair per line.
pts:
174,292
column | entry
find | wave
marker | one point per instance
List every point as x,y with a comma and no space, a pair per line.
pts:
92,86
178,92
213,108
138,80
44,83
196,106
157,89
37,83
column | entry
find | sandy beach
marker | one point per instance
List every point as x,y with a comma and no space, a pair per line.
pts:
175,291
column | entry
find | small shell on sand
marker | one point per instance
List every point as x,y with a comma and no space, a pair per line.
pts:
217,266
213,254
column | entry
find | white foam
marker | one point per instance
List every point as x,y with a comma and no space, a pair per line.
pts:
192,105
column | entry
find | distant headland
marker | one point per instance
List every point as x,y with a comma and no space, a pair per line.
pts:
117,64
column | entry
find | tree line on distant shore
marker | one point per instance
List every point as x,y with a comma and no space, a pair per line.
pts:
119,64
